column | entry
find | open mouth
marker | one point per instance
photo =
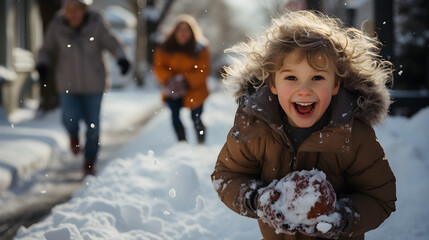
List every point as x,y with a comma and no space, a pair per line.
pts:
304,109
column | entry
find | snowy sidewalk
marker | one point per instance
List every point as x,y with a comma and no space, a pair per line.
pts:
156,188
29,144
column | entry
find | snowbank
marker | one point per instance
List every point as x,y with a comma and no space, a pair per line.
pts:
164,193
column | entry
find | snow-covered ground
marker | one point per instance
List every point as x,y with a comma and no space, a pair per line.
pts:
36,167
155,188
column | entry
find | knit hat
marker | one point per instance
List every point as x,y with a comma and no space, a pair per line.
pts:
85,2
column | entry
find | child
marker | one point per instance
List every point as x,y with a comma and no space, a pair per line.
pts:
309,92
181,65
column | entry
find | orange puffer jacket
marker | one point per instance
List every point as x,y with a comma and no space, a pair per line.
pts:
194,69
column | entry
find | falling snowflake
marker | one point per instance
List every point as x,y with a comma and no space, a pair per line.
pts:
172,193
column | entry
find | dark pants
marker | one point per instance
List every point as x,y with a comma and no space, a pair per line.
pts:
175,106
76,107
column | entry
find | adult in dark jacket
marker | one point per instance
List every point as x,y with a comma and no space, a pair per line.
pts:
75,40
309,92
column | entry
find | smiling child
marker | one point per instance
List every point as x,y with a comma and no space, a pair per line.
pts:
309,93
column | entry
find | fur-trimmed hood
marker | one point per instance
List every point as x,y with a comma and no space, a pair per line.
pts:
368,102
354,54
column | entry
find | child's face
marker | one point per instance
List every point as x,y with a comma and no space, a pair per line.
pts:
304,92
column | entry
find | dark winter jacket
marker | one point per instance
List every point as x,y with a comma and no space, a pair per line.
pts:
78,54
347,150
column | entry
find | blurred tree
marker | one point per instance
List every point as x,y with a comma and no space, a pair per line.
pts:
149,17
49,99
384,27
412,48
315,5
140,67
153,19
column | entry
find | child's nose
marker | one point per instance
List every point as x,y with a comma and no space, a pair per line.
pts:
304,90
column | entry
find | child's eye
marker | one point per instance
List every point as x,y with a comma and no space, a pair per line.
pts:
315,78
291,78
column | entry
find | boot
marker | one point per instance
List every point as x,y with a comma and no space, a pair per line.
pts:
201,134
180,132
88,168
74,145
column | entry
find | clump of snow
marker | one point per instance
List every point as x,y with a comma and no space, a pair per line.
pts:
184,187
131,196
306,198
323,227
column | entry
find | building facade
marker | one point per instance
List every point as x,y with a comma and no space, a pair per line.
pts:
21,35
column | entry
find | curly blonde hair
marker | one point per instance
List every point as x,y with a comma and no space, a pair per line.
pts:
354,53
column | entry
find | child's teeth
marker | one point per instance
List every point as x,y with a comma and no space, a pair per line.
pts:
304,104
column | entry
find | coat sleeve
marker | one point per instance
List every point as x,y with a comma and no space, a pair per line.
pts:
108,40
160,67
237,173
374,184
200,71
48,49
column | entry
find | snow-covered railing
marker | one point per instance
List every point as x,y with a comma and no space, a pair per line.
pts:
6,74
23,60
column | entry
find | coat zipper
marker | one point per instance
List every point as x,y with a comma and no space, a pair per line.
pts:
292,154
290,149
292,163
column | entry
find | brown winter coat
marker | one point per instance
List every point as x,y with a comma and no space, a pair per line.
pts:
194,69
347,150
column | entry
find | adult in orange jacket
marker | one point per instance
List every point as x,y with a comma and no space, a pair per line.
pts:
182,64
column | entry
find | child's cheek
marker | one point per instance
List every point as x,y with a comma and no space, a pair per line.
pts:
285,103
325,99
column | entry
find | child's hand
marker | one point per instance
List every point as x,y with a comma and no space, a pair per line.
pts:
334,225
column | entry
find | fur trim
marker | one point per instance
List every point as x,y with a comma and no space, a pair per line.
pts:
355,55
